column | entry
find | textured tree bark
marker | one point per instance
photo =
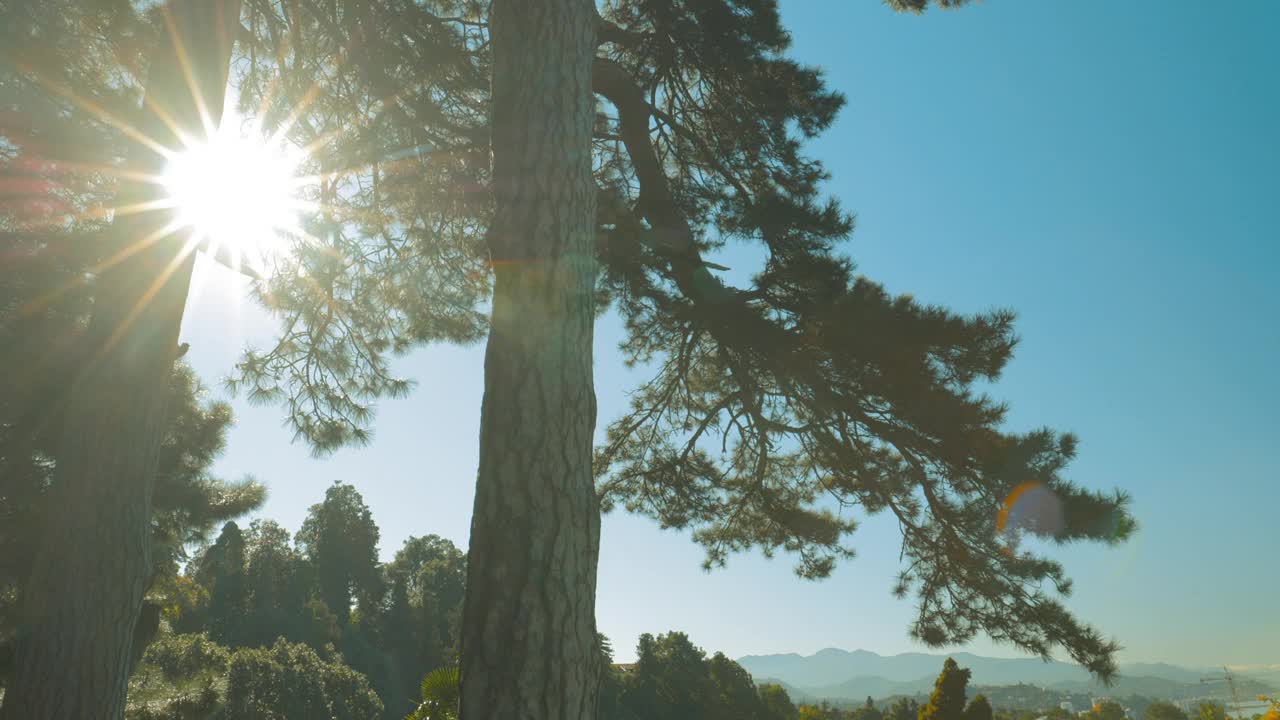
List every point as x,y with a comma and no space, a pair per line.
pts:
82,603
529,636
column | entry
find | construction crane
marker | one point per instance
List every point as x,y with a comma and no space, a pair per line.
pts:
1231,683
1226,675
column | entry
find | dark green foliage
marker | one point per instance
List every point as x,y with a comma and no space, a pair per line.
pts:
279,585
979,709
252,589
774,405
292,681
1161,710
220,570
257,588
179,679
184,656
189,677
824,710
1111,710
947,700
673,678
903,709
340,540
736,695
188,504
1206,711
419,624
777,702
869,711
611,682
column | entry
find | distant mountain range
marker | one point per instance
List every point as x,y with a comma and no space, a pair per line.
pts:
842,674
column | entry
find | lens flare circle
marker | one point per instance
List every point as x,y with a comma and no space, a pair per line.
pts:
1033,508
236,191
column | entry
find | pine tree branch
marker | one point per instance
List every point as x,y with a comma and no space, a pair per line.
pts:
608,32
672,236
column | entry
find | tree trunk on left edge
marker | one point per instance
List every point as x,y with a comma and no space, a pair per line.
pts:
82,602
529,649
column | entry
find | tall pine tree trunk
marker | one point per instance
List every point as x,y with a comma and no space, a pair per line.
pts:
529,645
83,599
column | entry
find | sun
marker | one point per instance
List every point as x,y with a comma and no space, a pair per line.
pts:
238,192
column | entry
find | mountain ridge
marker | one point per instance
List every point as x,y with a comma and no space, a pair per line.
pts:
853,674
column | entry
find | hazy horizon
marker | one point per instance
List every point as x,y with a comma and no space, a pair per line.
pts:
1007,656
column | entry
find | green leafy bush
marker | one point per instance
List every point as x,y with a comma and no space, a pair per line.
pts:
291,680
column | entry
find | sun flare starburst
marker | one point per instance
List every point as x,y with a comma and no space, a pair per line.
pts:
237,191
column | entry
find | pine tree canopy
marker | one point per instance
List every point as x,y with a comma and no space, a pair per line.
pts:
776,406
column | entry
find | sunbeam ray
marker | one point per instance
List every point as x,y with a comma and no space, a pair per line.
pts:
141,305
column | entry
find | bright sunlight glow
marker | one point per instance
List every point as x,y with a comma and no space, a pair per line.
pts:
237,192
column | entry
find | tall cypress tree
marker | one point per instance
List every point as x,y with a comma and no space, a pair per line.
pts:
340,540
946,702
221,570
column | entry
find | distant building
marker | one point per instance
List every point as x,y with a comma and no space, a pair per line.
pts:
1066,705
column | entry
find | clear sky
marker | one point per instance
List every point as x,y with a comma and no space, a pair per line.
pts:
1107,168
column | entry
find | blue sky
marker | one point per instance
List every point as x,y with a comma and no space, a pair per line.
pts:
1105,168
